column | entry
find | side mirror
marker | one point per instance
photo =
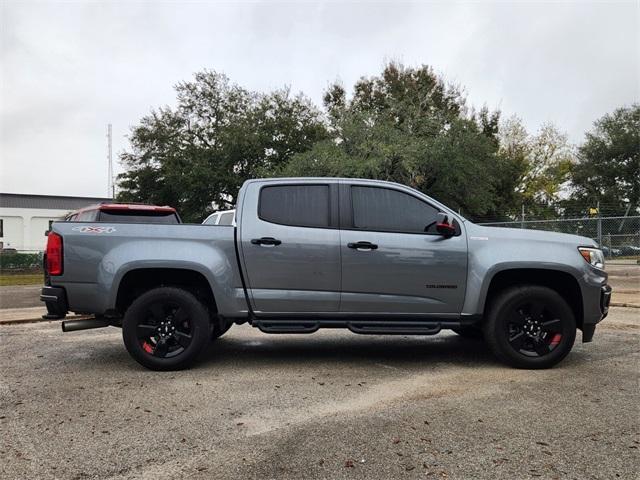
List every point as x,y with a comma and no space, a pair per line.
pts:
443,227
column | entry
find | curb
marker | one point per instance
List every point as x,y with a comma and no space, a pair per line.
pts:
626,305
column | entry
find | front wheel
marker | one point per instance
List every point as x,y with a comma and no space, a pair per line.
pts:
165,329
530,327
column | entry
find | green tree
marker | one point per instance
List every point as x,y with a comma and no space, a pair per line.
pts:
408,126
542,164
217,136
608,169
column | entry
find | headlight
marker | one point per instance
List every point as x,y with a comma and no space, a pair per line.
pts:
593,255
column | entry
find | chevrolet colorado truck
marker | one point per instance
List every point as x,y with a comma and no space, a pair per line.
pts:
308,253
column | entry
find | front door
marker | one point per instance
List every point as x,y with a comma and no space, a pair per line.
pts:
291,248
390,264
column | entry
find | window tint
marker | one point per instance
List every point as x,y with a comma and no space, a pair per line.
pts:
296,205
390,210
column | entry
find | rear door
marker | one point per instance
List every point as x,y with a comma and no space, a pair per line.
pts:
290,246
390,264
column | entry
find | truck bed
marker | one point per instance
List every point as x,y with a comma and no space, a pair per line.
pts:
98,255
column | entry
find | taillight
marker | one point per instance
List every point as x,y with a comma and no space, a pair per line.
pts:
54,254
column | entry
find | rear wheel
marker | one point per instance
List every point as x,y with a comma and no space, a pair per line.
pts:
530,327
166,329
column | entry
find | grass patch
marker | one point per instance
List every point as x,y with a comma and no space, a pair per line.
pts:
21,279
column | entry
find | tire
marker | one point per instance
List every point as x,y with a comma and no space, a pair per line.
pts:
166,328
530,327
469,332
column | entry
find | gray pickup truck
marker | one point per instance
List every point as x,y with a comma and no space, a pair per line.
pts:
308,253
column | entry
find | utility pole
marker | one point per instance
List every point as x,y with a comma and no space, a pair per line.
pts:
111,187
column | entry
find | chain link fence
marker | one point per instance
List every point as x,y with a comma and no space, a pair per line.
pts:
618,236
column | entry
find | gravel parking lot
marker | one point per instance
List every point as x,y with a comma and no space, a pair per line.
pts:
327,405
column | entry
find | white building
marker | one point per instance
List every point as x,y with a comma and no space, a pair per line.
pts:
25,218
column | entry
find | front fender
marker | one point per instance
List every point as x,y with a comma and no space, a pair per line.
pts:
480,278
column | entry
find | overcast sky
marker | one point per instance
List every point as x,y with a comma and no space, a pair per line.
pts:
69,69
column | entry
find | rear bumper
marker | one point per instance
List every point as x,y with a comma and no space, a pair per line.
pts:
55,299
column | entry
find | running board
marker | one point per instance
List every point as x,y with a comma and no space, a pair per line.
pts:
287,326
395,328
371,327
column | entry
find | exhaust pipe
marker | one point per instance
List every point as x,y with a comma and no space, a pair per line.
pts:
75,325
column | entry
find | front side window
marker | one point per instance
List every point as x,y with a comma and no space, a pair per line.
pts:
388,210
295,205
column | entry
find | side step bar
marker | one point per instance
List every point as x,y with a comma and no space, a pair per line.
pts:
287,326
395,328
371,327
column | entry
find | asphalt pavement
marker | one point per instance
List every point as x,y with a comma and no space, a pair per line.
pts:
327,405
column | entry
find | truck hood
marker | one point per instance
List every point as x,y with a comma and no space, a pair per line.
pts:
523,234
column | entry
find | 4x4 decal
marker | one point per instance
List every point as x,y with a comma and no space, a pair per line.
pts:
94,229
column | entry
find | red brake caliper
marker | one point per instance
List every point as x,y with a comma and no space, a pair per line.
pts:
147,347
555,340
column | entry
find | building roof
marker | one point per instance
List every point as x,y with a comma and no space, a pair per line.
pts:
53,202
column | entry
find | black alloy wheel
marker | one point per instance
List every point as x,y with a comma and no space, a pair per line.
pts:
534,329
530,326
166,328
165,331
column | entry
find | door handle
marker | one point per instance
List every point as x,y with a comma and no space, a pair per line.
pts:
362,245
266,241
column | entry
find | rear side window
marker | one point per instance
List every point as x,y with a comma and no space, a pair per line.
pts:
384,209
133,216
295,205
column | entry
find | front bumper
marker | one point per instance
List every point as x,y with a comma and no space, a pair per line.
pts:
605,300
588,329
56,300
